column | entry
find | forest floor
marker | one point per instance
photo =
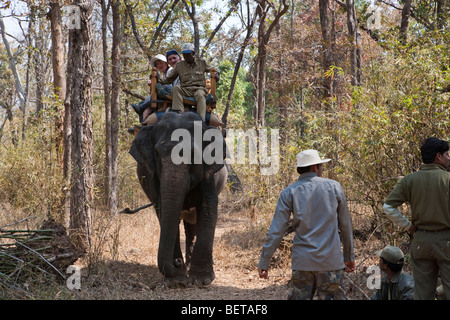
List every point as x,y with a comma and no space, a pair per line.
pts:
126,262
135,274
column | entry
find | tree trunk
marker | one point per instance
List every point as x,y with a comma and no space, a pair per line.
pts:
59,79
326,46
107,101
193,15
261,86
115,104
12,65
80,83
39,52
354,40
406,12
442,7
59,89
263,39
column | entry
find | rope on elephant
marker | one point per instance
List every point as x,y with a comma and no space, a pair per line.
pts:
129,211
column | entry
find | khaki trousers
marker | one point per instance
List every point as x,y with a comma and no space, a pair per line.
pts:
199,94
430,255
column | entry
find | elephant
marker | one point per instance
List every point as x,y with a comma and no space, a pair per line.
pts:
181,187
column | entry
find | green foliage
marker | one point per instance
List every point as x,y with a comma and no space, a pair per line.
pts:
242,101
378,140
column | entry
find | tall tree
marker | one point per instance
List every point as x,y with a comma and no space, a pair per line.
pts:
249,24
406,12
327,46
263,9
59,79
115,103
107,99
13,66
79,97
355,43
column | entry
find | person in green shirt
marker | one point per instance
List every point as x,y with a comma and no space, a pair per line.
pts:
428,193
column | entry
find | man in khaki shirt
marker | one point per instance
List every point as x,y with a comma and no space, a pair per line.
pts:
428,193
191,71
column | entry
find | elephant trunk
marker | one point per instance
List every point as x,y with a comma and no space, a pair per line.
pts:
174,185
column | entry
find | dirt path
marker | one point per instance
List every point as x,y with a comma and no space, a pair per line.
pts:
135,274
237,247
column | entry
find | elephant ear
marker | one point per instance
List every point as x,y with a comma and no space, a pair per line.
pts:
142,149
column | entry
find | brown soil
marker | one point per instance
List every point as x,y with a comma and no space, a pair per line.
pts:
125,261
135,275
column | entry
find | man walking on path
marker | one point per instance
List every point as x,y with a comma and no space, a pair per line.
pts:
320,211
428,193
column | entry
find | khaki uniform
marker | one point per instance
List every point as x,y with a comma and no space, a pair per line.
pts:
427,191
192,84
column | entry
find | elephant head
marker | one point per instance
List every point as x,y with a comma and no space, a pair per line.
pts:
177,170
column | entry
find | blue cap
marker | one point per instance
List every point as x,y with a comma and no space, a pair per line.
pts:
171,52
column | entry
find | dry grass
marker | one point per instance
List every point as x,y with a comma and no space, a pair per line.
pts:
123,264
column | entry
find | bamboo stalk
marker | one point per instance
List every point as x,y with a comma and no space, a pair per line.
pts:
27,231
45,260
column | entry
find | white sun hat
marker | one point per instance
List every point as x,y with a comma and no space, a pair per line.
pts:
309,157
156,58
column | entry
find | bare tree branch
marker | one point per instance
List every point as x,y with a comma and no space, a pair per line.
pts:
163,21
222,21
12,65
135,30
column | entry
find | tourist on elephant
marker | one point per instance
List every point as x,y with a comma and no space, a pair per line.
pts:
163,70
320,218
173,57
191,71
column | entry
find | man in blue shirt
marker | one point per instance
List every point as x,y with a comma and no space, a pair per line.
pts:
320,211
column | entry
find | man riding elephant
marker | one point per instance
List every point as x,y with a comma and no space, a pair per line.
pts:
191,71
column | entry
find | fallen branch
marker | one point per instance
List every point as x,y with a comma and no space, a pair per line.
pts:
39,255
27,253
358,287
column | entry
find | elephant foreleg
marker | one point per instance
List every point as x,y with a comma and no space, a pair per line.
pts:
189,230
201,271
178,255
